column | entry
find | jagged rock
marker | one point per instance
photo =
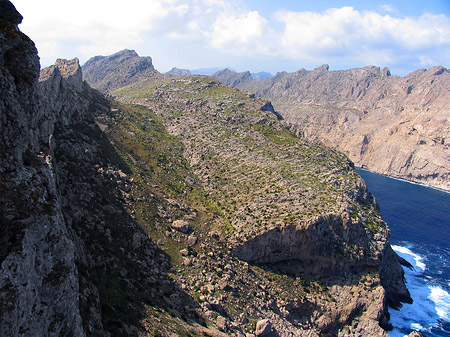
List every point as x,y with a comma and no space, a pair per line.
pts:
192,240
264,328
181,226
222,323
179,72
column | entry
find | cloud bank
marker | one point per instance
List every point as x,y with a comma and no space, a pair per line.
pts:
342,37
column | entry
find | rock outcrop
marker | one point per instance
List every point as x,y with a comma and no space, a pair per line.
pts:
392,125
179,72
107,73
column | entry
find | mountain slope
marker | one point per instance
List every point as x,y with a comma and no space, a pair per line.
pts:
157,219
269,195
392,125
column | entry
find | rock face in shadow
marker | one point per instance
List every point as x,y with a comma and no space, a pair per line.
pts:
392,125
73,261
39,286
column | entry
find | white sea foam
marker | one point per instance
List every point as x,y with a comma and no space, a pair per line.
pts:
431,303
407,254
442,300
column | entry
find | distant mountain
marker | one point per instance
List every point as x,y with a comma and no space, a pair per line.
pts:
178,72
393,125
208,71
261,75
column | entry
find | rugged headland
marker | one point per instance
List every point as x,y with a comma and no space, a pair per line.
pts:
180,207
397,126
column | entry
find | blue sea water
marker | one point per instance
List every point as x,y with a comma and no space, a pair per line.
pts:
419,218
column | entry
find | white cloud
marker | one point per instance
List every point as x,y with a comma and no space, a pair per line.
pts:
92,26
336,36
348,33
388,8
229,30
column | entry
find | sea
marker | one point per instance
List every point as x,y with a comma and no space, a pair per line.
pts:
419,218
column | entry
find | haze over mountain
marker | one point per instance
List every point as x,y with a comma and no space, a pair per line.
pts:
398,126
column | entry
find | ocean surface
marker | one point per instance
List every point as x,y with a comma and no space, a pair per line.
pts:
419,218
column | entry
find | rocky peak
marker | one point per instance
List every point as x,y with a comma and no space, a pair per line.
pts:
9,14
107,73
323,67
179,72
232,78
70,70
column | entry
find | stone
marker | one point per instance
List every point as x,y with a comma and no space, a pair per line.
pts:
181,226
263,328
222,323
192,240
415,334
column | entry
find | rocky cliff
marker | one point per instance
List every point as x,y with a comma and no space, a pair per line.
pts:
392,125
73,262
194,213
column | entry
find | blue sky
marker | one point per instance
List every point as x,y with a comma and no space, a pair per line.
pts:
255,35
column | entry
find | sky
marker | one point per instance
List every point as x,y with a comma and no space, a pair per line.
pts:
254,35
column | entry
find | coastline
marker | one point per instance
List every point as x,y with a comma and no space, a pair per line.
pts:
403,180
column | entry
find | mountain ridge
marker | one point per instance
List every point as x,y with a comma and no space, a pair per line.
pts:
397,126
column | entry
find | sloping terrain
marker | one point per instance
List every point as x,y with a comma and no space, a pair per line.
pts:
183,207
398,126
269,198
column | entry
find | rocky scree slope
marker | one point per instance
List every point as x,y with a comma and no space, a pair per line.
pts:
398,126
267,205
73,260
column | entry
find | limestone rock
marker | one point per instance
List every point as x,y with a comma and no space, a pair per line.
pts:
264,328
181,226
179,72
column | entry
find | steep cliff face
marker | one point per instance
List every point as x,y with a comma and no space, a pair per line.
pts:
39,284
73,261
392,125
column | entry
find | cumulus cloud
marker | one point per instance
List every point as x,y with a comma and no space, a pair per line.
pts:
231,30
348,33
92,25
341,36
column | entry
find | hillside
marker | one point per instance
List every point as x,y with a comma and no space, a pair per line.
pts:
294,207
392,125
180,207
